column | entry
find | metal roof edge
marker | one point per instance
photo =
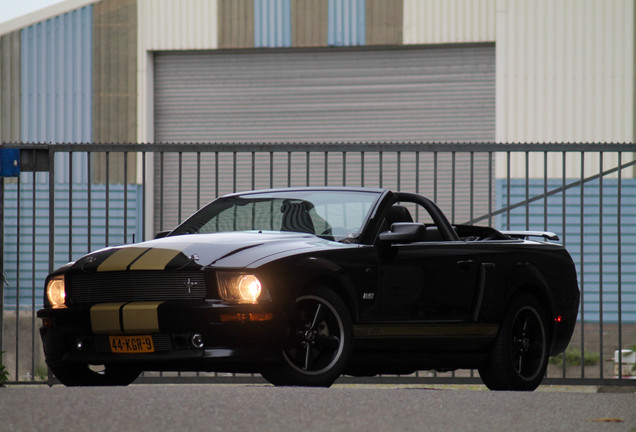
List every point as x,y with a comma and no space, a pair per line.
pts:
42,15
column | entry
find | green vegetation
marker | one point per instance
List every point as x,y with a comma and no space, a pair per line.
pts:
42,373
4,374
573,358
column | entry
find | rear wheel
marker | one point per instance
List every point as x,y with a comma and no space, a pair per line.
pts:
520,355
317,343
83,375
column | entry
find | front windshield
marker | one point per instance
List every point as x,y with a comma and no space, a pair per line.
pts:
333,214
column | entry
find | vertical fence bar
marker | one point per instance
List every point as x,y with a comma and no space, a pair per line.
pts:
51,226
490,176
253,170
126,197
17,285
380,157
527,189
271,170
472,193
545,191
161,161
435,176
143,196
563,224
453,187
619,233
89,206
362,154
600,260
107,198
70,206
198,180
216,174
582,261
307,165
417,183
344,168
233,171
326,165
399,171
33,224
508,190
288,169
180,186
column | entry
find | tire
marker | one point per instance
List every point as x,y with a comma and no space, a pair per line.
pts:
520,356
317,344
83,376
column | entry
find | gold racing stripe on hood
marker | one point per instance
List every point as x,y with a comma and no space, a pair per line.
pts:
121,259
154,259
105,318
141,317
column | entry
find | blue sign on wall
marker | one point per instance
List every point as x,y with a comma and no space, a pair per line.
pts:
9,162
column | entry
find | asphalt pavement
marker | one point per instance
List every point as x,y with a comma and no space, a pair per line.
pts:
260,408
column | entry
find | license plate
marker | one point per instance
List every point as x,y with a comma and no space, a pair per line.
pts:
131,344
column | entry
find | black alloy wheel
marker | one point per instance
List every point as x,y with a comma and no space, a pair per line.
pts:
83,376
520,355
318,341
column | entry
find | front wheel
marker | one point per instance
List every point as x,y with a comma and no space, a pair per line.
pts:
83,375
317,343
520,355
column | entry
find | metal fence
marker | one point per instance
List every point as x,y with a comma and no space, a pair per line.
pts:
69,199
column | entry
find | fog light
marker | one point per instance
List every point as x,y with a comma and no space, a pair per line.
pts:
197,340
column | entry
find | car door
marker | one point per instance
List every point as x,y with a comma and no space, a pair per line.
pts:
428,282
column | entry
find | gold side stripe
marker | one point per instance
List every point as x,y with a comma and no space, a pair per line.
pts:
121,259
105,318
424,330
154,259
141,317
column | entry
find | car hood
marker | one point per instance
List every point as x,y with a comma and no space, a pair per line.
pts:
233,249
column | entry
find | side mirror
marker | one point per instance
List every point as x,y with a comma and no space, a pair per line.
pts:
162,234
404,232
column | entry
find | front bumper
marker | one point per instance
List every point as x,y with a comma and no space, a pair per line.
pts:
235,338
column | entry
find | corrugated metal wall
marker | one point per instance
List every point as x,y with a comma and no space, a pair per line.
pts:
272,23
309,18
436,93
236,23
57,79
565,73
56,85
384,22
346,22
449,21
592,278
10,87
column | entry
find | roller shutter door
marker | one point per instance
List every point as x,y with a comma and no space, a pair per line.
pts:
436,93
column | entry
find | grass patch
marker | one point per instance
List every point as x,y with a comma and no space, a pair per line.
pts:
4,374
573,358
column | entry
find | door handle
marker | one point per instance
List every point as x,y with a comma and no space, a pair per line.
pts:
466,263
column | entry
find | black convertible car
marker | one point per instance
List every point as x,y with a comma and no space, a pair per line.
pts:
303,285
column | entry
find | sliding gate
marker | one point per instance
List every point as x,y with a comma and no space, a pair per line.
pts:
62,201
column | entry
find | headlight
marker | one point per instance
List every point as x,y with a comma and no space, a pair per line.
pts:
56,292
239,287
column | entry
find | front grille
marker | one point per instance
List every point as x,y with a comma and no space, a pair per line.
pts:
125,286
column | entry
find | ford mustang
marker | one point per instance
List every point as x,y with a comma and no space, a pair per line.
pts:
303,285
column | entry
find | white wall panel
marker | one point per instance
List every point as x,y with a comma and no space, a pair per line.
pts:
565,73
448,21
169,25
